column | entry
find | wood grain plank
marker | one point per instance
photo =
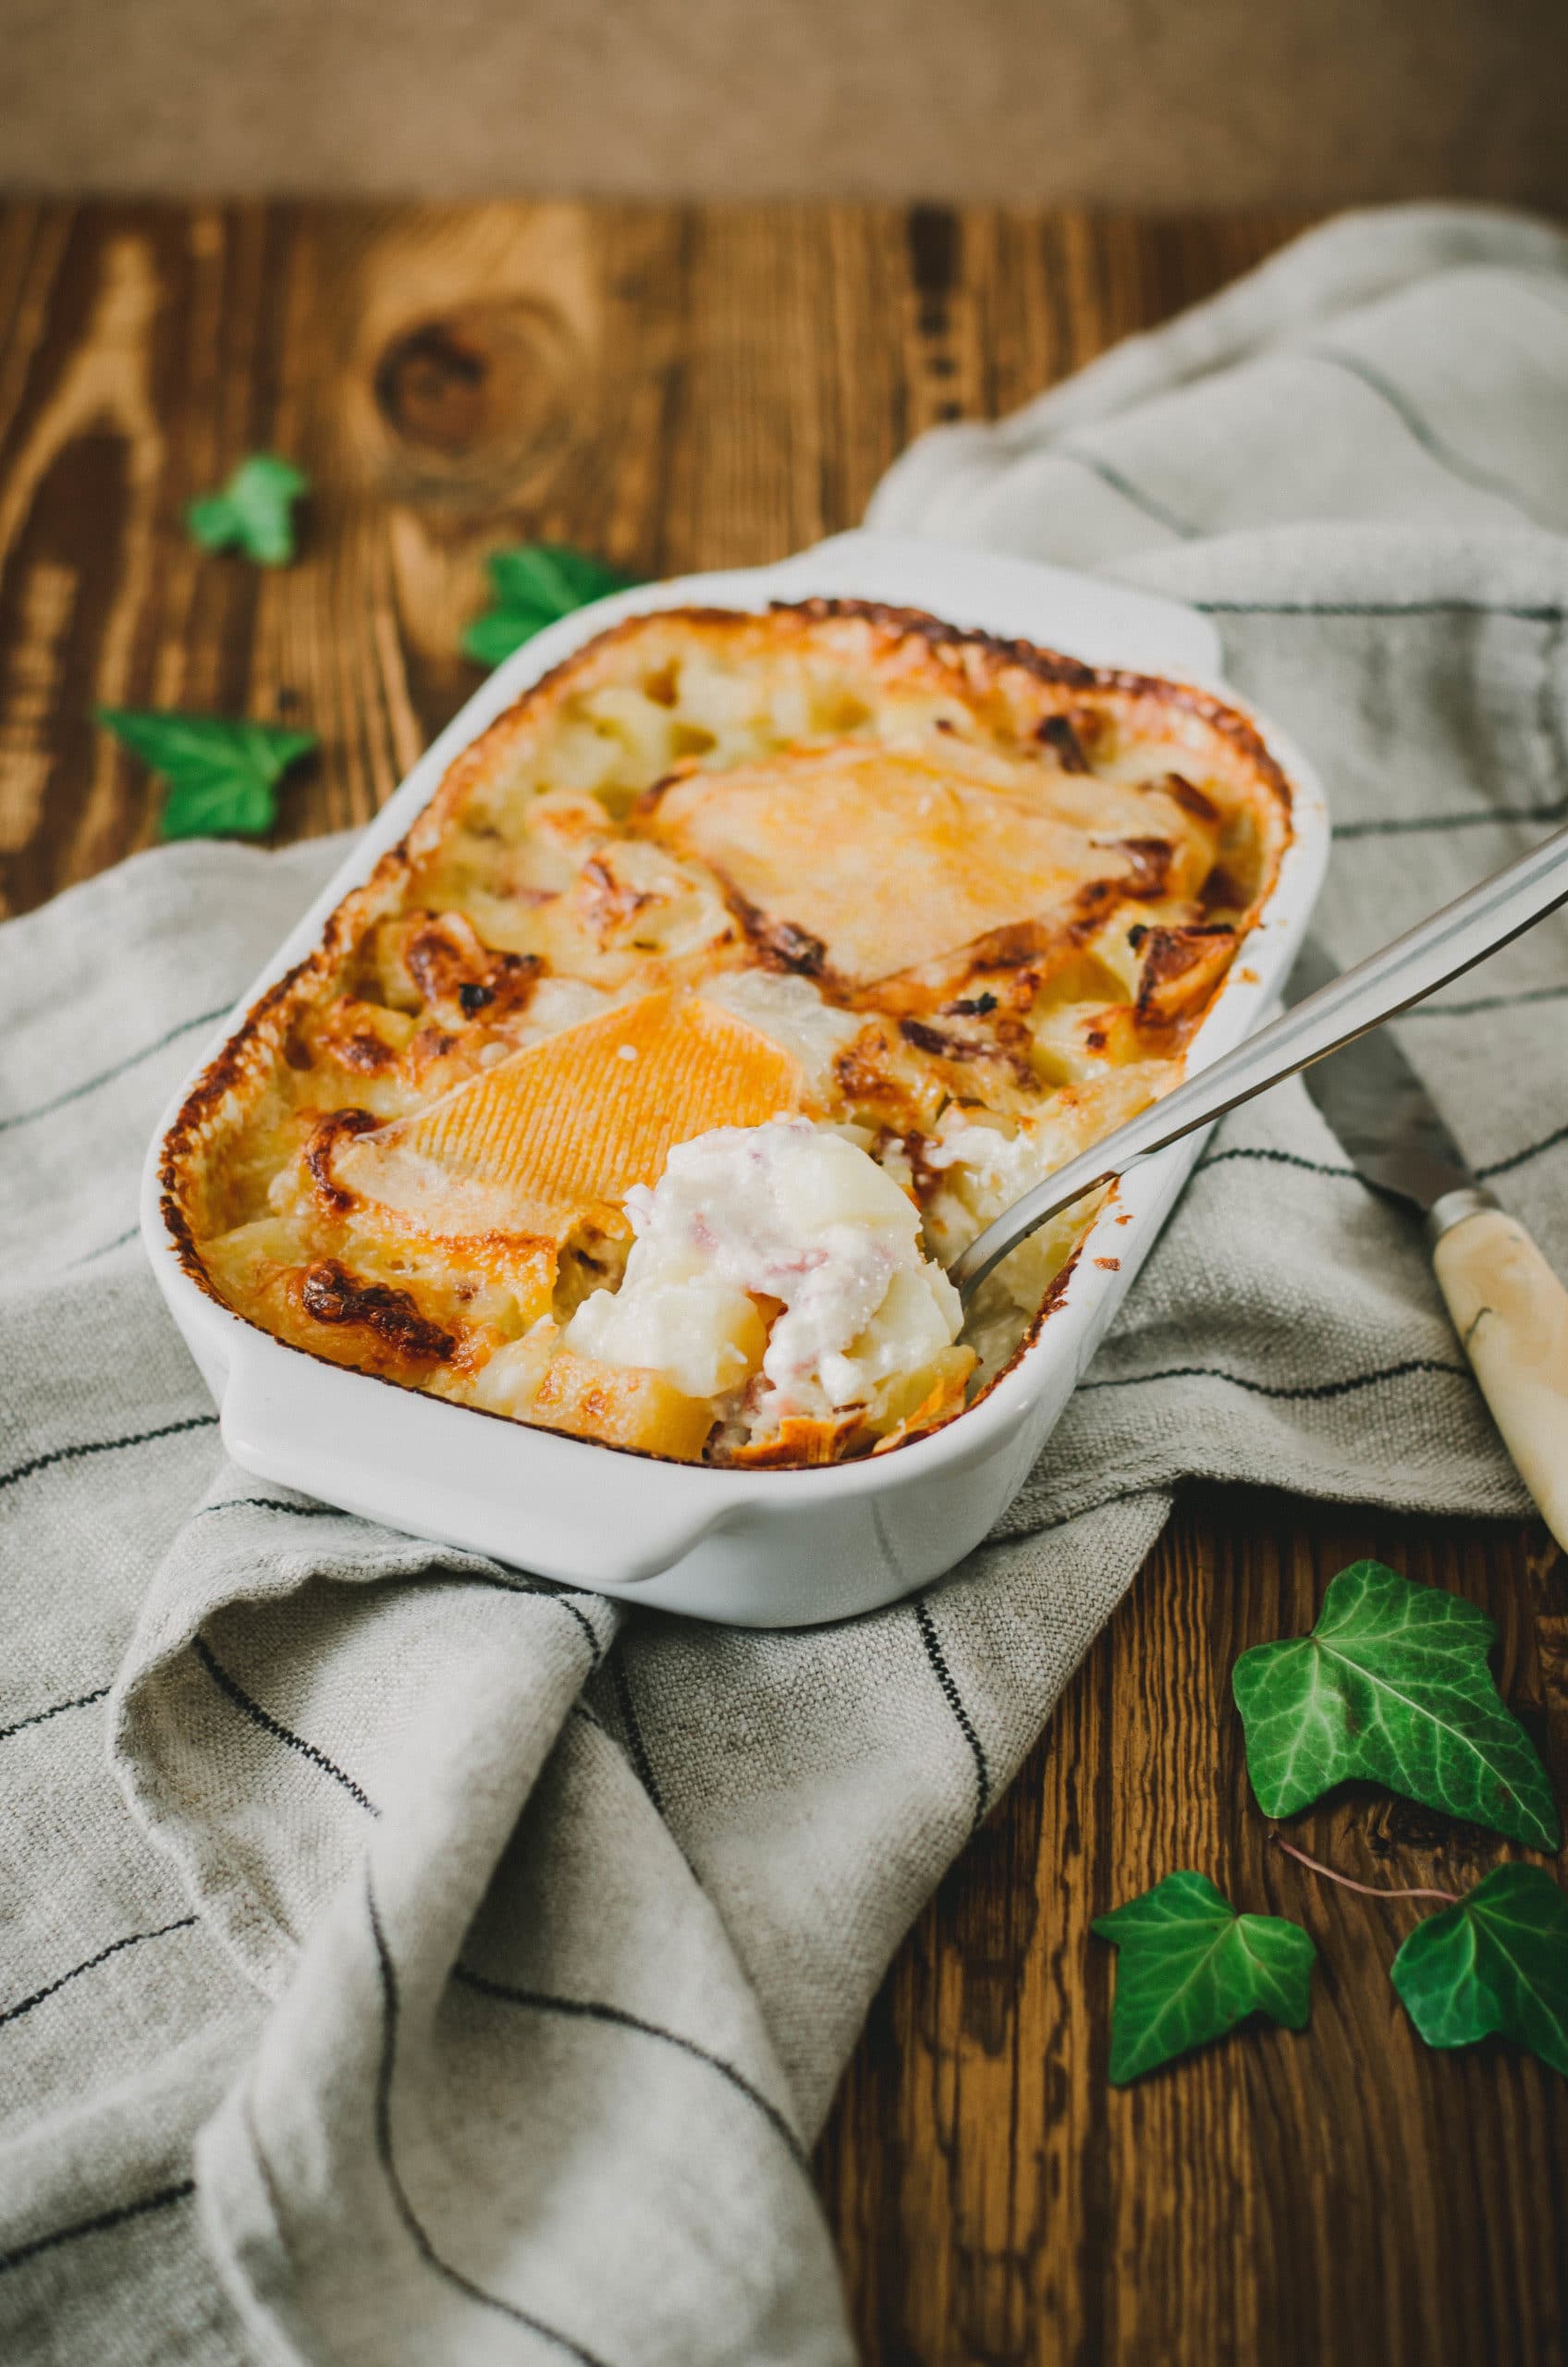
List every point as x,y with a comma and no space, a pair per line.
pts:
686,388
678,388
1338,2194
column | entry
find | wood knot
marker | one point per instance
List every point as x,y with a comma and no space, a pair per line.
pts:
477,397
431,385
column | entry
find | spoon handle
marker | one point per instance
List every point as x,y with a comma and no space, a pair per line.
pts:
1414,967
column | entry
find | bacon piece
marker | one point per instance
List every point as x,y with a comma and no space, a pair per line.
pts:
801,1440
330,1294
1189,799
1181,968
320,1149
1151,860
1060,737
456,974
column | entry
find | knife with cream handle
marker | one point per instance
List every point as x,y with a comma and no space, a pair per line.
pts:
1510,1308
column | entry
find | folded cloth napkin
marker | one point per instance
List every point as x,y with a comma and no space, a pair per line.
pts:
401,1959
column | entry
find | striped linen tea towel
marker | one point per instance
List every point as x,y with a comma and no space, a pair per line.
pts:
402,1959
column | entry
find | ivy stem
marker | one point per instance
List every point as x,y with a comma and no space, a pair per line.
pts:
1367,1890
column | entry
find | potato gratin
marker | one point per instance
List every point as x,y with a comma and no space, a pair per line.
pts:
730,984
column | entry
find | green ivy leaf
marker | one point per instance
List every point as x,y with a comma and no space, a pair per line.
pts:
534,583
222,774
1497,1963
1391,1684
254,511
1191,1968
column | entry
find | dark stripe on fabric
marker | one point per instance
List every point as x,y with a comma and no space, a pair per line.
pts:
591,2010
1412,825
1420,430
1315,1389
131,1940
499,1579
634,1742
107,1076
105,1446
596,1648
123,2212
1554,648
271,1725
1126,488
56,1710
1483,1002
954,1700
426,2249
1546,613
1491,1167
272,1504
103,1249
1276,1158
1518,1157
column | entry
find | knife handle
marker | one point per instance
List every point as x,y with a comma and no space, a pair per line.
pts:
1510,1313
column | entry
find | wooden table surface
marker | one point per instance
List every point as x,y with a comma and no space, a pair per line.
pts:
690,387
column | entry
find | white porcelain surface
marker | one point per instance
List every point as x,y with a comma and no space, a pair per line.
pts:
750,1549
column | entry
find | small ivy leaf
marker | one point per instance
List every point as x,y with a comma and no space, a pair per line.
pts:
496,635
533,584
1391,1684
254,511
1497,1963
1191,1968
222,773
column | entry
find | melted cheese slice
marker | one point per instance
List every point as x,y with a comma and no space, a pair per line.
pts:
565,1126
894,857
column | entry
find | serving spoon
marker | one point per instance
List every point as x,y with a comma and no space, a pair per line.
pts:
1414,967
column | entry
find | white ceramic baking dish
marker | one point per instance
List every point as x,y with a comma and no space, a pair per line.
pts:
750,1549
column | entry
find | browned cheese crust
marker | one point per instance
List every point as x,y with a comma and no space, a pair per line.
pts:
965,897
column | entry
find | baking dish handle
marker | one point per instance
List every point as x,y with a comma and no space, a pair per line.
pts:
558,1507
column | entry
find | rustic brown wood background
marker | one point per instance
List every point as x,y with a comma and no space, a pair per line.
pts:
701,387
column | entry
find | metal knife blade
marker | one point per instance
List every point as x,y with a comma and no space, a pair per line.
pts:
1375,1102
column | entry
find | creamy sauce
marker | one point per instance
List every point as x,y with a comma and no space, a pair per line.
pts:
797,1218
